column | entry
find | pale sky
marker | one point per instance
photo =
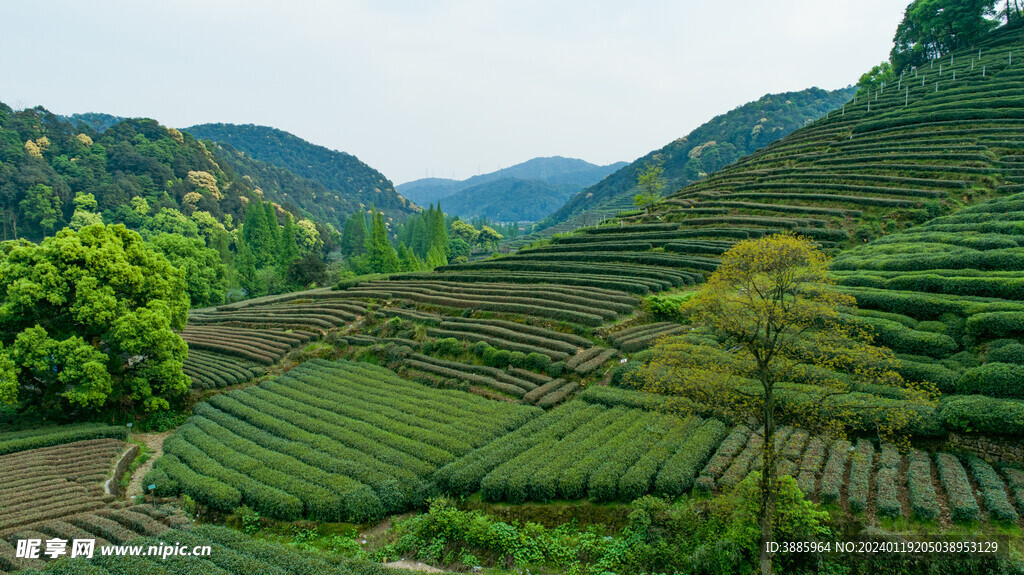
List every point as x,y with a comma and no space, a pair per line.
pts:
445,88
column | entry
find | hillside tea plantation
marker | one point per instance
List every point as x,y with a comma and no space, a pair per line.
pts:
329,441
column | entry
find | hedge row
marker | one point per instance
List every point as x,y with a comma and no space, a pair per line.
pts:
524,306
654,277
513,334
331,441
860,475
508,342
920,490
583,356
11,442
578,297
731,446
962,505
590,365
553,385
638,286
463,476
558,395
993,491
526,329
616,396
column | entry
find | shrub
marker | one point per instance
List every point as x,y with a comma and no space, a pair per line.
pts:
980,414
911,370
860,474
517,359
993,491
993,325
1004,380
962,505
1010,353
555,369
888,503
835,467
537,361
920,490
678,472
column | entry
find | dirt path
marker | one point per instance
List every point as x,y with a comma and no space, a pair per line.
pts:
154,441
414,566
108,484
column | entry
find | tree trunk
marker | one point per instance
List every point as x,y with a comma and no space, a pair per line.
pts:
767,506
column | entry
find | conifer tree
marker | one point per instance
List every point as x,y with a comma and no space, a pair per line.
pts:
353,239
245,263
407,260
273,229
256,235
288,248
439,233
381,255
418,236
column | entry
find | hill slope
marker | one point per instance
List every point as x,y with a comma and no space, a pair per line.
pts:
523,192
715,144
136,158
351,181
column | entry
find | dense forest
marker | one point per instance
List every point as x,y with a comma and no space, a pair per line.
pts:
349,183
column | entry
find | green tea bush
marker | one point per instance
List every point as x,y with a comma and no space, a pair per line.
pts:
1005,380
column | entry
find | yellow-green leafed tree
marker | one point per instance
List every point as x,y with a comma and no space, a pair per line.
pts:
775,317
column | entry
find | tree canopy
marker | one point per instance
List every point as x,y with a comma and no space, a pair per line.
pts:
775,318
87,319
932,28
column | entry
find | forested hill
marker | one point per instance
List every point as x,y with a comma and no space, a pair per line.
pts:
133,169
524,192
350,181
712,146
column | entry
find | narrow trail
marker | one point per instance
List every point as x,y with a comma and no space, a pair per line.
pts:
107,484
154,441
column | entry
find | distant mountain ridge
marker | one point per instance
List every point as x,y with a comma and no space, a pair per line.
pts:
351,184
517,193
711,146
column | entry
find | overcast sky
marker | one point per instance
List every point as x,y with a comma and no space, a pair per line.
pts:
446,88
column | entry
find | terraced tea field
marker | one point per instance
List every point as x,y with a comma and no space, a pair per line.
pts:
330,441
588,450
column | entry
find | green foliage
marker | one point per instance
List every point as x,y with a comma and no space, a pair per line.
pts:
932,28
95,331
875,79
41,206
980,414
651,184
994,380
380,255
45,436
327,184
329,441
667,306
205,278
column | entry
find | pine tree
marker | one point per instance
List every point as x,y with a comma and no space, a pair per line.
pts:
418,240
288,248
273,229
407,260
439,233
436,257
381,254
353,239
256,235
245,263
